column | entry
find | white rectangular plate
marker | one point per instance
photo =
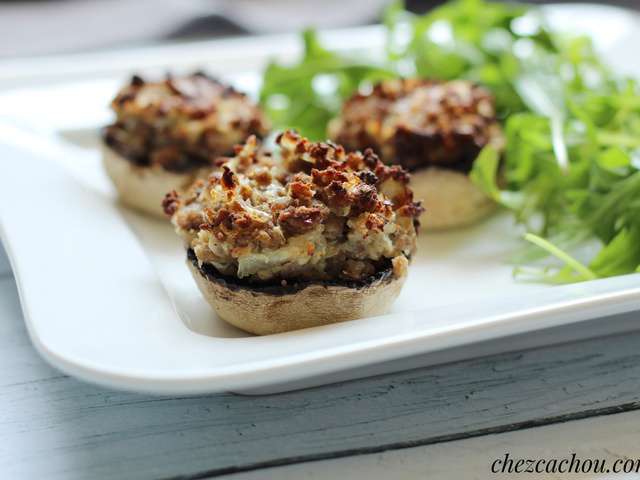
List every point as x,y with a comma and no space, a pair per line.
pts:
107,297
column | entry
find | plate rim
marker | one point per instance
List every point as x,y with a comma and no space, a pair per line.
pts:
575,303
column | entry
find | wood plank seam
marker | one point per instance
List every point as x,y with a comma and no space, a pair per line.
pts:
213,473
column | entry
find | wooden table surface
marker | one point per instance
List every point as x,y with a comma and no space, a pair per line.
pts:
448,421
55,427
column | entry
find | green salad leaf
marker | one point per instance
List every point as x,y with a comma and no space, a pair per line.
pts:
305,96
574,165
570,171
485,173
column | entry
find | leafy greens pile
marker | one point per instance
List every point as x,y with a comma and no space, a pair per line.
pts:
571,168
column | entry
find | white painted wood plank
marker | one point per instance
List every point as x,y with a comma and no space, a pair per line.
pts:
608,438
54,427
5,268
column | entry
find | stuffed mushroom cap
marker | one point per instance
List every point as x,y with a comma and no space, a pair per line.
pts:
167,133
309,211
420,123
434,129
181,122
301,237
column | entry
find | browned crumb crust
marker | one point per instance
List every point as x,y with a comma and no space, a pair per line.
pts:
181,122
420,123
310,211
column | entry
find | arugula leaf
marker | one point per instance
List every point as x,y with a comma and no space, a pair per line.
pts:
614,160
564,274
485,172
570,172
305,96
620,256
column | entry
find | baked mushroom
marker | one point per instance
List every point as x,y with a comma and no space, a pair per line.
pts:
435,130
167,133
305,236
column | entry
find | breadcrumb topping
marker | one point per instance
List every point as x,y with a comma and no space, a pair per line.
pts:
182,122
308,211
420,123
